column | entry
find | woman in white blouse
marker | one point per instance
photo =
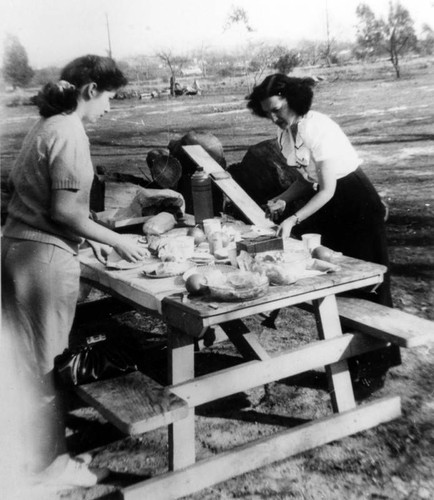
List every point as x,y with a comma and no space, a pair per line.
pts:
342,204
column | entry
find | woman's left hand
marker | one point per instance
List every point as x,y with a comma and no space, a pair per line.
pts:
100,250
285,227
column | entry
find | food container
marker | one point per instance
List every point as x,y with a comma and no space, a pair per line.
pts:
283,267
239,285
260,244
284,273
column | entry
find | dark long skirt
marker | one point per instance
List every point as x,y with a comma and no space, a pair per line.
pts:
352,222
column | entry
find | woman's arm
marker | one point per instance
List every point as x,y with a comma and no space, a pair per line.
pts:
69,210
295,191
276,206
326,191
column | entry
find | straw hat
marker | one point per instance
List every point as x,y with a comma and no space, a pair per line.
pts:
165,169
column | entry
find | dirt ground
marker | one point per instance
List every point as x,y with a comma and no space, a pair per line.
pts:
390,123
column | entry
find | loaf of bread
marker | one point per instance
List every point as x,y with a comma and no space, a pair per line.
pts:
159,224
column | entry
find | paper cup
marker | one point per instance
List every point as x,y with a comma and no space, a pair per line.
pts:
211,226
311,241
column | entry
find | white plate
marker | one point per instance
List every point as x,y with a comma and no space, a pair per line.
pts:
167,269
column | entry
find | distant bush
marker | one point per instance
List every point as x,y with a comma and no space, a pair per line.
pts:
225,72
126,94
19,98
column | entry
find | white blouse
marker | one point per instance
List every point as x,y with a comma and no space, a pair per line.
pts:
318,138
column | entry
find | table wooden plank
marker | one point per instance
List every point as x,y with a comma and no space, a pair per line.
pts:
195,315
134,403
328,325
291,362
250,209
150,293
181,368
129,284
244,340
265,451
399,327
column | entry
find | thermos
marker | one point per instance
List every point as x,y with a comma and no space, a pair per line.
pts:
201,191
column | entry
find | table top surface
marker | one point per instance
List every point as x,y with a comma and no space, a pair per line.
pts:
150,294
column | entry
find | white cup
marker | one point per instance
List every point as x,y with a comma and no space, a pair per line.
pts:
311,241
211,226
185,246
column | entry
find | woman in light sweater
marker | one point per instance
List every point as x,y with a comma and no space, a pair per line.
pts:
339,201
48,219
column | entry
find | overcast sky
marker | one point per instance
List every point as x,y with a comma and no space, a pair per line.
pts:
55,31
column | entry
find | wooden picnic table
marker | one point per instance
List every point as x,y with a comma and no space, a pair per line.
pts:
188,318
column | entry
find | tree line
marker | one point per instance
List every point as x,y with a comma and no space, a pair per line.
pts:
392,37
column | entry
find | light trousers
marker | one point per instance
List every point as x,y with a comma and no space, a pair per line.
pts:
40,286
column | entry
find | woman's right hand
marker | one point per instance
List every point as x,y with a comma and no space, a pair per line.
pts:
285,227
275,208
130,250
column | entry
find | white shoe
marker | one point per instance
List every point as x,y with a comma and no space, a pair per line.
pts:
74,475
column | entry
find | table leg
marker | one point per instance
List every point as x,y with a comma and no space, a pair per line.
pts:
244,340
181,368
328,324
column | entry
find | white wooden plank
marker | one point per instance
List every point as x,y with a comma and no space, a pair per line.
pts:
399,327
134,403
264,451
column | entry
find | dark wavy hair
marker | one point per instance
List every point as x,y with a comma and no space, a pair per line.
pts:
297,92
62,97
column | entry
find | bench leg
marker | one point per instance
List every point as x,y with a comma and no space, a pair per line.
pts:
181,368
328,324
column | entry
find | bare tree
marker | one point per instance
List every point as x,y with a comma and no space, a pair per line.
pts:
328,46
200,54
399,33
396,36
263,58
370,32
238,16
174,63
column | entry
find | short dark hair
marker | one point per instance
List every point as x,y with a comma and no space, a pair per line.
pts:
62,97
98,69
297,91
